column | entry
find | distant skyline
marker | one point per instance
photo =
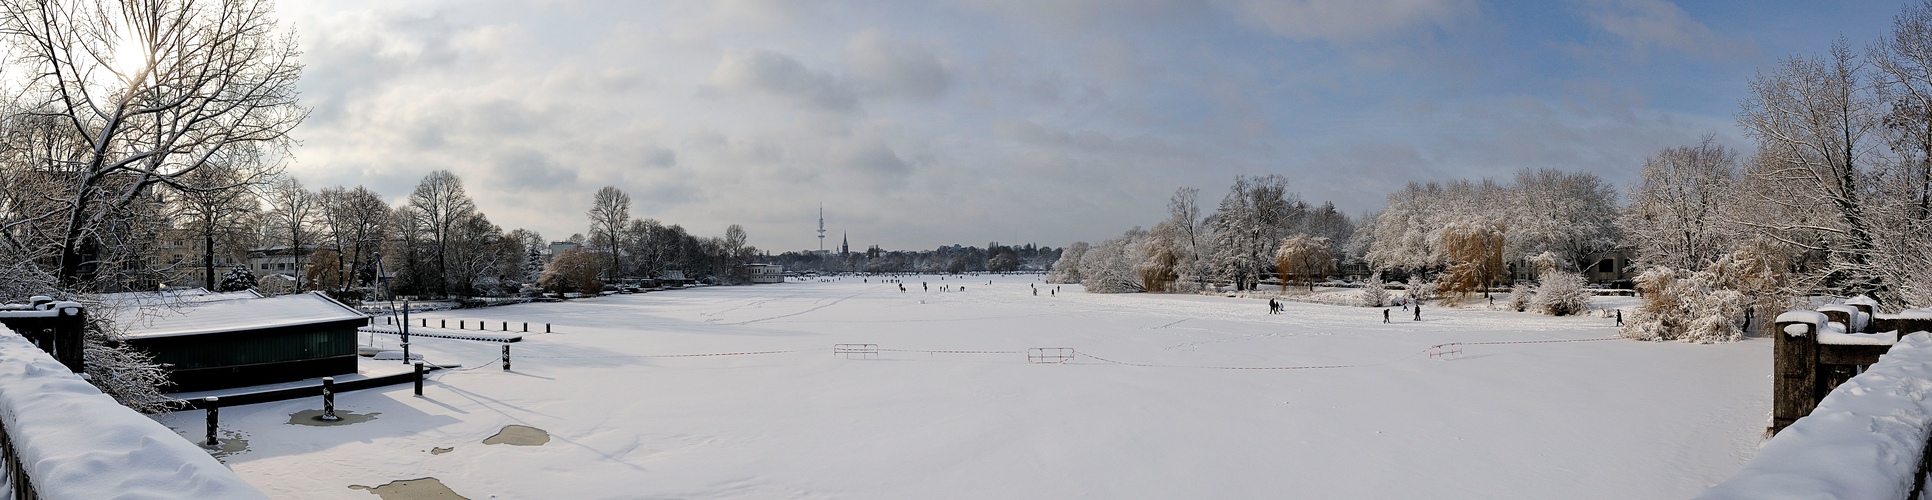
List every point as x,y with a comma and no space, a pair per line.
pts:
1019,121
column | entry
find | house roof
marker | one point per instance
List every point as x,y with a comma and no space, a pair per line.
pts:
232,315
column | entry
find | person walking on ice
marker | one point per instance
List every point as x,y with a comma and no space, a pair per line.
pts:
1385,315
1418,311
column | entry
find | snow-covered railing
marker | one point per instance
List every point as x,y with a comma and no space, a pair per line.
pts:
63,439
1814,352
1867,439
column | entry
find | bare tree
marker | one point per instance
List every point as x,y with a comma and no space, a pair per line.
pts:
609,211
142,93
292,212
441,207
215,205
357,221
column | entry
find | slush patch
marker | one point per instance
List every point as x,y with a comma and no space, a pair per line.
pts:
519,435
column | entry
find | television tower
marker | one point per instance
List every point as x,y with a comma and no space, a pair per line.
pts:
821,228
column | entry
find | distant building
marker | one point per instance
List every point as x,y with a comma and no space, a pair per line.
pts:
1612,267
279,259
559,247
765,273
215,341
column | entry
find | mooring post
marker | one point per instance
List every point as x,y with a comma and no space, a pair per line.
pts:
460,325
506,357
214,418
506,326
1794,388
419,379
526,327
328,400
445,323
546,328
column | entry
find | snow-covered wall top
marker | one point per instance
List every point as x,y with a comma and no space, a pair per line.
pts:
1863,441
1802,316
77,443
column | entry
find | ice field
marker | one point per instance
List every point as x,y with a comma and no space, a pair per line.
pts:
1596,419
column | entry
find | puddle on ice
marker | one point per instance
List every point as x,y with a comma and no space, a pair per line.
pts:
314,417
427,488
519,435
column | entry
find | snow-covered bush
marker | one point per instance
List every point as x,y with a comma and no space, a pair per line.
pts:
1374,292
1685,305
1560,294
1421,291
1519,297
1067,269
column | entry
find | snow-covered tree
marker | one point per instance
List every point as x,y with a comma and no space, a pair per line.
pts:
1375,293
1421,290
1676,212
1067,269
1571,214
1111,266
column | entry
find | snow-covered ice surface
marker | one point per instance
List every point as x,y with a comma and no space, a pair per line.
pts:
1601,419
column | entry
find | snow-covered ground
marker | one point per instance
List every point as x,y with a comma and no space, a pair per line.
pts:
1599,419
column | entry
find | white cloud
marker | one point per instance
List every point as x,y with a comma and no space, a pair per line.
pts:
1646,24
897,68
1352,20
781,75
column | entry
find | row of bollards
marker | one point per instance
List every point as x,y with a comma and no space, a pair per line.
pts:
213,407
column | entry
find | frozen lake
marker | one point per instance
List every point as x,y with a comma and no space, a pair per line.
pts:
1600,419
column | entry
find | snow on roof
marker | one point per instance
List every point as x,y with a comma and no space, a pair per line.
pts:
236,314
169,297
1802,316
1862,300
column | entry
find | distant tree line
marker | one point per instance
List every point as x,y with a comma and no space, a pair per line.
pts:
622,248
953,259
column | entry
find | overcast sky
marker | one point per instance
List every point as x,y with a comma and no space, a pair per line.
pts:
969,121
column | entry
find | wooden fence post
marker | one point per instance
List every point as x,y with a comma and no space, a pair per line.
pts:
1794,385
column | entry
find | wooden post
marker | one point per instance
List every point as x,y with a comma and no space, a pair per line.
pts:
1794,383
526,327
546,328
460,325
506,357
419,379
506,326
70,330
214,419
328,400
